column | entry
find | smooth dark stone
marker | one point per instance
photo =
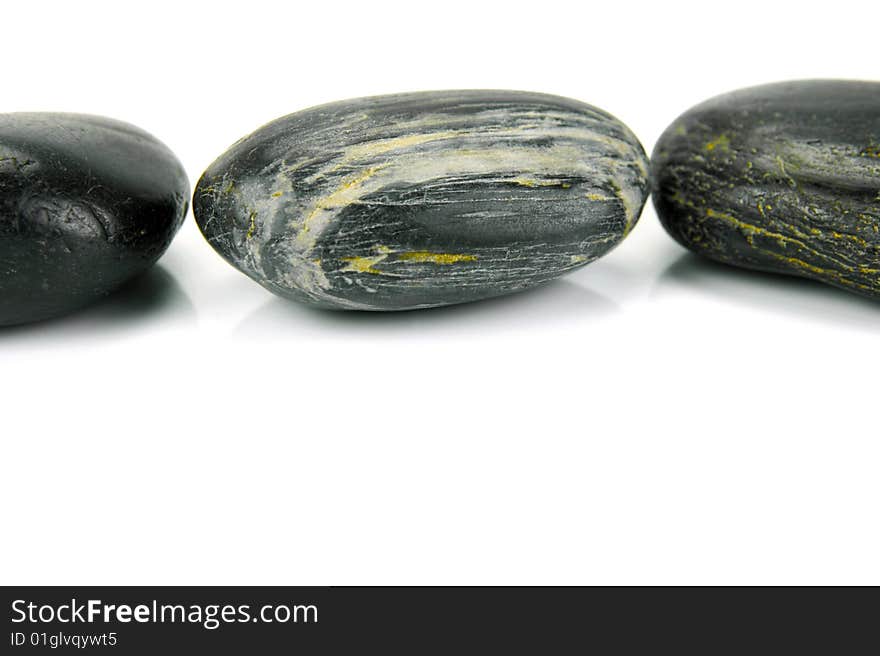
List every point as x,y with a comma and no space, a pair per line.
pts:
423,199
85,204
783,178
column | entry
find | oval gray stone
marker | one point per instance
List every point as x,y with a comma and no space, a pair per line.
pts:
423,199
783,178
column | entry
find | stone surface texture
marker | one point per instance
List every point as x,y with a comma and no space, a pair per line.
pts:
783,178
423,199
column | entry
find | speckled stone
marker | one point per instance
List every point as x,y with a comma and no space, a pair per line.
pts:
783,178
424,199
86,203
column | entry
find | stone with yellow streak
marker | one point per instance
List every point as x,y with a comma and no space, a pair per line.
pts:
423,199
783,178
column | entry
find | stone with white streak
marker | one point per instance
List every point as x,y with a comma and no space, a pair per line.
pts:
423,199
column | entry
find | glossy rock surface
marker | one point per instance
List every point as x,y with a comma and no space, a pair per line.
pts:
424,199
85,204
783,178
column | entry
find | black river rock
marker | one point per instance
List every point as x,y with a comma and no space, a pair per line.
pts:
86,203
423,199
783,178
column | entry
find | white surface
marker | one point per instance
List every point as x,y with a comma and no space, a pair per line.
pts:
649,419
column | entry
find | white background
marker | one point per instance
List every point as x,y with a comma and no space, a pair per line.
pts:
649,419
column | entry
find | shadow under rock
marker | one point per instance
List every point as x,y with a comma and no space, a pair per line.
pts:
554,302
154,294
797,297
